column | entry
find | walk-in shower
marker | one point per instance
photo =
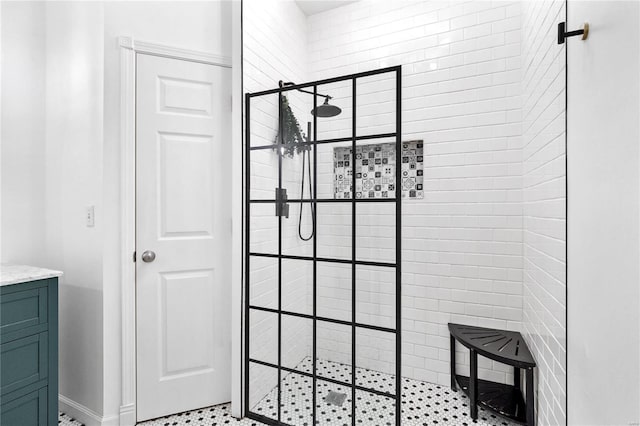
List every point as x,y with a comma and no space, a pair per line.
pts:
323,304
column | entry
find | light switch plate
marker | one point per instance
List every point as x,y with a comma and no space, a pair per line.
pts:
90,216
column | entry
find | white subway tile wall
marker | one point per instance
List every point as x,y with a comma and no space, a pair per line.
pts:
545,204
462,244
275,49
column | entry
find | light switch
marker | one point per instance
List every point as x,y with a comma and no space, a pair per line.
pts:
90,216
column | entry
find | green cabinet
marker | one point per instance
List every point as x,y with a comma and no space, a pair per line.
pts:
29,353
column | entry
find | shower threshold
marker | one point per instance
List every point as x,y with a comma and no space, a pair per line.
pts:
422,402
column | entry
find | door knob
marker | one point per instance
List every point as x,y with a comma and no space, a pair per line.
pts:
148,256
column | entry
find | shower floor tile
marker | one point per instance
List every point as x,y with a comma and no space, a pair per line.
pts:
423,403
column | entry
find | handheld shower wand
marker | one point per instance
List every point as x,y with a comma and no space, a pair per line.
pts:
313,213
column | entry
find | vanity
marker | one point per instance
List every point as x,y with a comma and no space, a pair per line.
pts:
28,345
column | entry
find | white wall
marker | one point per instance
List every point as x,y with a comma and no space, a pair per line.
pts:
23,112
544,179
603,214
462,244
74,105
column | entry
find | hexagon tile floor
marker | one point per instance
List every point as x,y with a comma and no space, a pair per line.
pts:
424,404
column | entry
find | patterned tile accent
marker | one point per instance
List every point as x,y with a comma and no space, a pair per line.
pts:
375,170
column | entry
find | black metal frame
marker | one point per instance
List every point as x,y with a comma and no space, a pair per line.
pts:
397,397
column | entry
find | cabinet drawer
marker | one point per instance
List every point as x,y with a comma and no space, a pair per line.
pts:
24,308
25,410
23,362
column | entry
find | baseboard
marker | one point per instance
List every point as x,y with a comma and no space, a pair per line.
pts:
85,415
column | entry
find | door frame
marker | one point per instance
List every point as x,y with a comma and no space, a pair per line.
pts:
129,48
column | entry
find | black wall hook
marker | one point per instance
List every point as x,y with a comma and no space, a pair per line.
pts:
562,34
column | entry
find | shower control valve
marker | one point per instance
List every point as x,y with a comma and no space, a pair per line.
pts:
282,207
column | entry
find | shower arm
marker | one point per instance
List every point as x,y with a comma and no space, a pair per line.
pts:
282,84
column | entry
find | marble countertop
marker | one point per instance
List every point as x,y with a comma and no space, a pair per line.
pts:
14,274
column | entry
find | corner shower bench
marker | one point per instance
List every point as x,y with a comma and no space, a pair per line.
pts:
507,347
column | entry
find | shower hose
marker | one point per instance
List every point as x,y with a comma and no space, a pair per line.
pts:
306,159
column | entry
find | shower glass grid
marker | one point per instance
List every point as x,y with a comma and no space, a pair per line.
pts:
278,310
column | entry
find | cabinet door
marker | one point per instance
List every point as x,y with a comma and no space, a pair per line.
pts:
22,306
27,410
23,362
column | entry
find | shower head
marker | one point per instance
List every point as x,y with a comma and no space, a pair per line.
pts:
326,110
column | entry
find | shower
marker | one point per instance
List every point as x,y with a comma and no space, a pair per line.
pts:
314,349
326,110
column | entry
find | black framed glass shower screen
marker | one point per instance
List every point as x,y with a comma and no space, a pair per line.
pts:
275,271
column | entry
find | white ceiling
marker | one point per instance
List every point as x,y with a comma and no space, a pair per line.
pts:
311,7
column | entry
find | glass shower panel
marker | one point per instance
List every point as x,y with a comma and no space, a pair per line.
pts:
263,336
263,282
376,105
331,252
338,126
376,296
263,390
298,230
376,232
297,286
263,228
334,171
296,406
376,360
334,291
297,343
334,354
334,230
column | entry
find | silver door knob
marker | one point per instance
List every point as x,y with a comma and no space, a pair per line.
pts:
148,256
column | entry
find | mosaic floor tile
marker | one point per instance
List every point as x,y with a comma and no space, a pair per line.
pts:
65,420
424,404
210,416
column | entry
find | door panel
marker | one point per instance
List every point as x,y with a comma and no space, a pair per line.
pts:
183,216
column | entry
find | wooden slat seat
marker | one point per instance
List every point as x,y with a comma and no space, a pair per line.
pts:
504,346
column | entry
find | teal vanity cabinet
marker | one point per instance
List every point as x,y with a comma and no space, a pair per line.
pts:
28,346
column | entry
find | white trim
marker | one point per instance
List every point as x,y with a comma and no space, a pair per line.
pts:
127,228
83,414
174,52
128,50
237,172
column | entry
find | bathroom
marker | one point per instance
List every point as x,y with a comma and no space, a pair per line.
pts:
290,212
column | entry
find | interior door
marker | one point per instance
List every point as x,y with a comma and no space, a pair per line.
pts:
182,235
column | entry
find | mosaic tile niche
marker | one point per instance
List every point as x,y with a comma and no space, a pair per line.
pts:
375,170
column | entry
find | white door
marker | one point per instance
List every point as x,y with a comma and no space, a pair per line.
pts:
183,216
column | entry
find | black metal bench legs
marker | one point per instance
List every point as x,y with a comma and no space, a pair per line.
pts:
530,416
453,362
473,383
506,347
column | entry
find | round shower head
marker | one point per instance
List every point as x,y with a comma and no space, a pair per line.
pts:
326,110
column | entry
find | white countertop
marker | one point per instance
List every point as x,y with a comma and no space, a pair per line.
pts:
14,274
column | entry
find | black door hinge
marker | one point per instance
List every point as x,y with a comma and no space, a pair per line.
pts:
134,256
